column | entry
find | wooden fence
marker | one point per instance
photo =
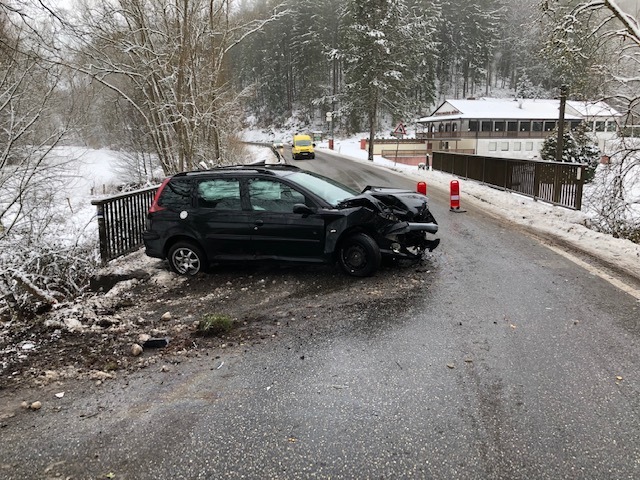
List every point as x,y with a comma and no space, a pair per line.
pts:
559,183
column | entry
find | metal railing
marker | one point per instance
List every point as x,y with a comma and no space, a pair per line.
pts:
559,183
121,221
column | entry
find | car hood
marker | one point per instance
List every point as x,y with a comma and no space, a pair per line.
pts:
406,205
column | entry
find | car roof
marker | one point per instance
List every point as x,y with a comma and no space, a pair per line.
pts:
275,170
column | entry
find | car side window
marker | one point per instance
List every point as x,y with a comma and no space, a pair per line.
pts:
176,194
273,196
220,194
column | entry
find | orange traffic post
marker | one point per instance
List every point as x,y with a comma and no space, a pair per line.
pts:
455,195
422,188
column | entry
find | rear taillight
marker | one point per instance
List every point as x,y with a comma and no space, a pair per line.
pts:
154,206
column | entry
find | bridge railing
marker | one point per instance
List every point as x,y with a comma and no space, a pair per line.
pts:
559,183
121,220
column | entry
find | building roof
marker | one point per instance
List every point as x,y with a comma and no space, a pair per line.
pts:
504,109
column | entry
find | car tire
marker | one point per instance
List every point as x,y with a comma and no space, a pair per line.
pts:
359,255
186,258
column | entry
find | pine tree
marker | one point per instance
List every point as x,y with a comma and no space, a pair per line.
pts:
468,34
577,147
377,41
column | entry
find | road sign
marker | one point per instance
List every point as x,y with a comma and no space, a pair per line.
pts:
400,129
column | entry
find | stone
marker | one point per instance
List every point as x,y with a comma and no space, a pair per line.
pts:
136,350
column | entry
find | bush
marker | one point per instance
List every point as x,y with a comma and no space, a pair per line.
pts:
36,276
213,324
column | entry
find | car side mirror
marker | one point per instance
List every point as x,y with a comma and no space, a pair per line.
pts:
313,144
302,209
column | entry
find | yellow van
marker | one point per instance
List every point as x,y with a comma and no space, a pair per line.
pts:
302,147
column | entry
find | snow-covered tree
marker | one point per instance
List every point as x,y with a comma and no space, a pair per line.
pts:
381,40
469,33
524,87
168,59
604,35
35,114
577,147
289,64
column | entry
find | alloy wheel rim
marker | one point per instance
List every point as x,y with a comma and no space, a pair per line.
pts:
186,261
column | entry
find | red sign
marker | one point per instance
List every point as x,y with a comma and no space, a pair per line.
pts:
400,129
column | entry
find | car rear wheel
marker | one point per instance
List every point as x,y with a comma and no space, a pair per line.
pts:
359,255
185,258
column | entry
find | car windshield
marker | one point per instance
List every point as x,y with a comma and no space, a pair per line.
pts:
303,143
329,190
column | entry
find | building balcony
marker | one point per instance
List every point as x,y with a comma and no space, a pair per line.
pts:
453,136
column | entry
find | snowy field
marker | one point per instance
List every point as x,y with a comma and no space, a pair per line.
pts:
90,174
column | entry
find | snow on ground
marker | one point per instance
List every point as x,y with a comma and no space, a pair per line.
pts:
91,174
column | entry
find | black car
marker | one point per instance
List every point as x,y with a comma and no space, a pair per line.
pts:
283,213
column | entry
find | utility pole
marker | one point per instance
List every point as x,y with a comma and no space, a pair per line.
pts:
333,113
560,142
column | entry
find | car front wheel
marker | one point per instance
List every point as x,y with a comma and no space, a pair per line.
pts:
185,258
359,255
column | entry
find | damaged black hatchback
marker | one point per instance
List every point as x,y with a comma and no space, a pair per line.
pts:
283,213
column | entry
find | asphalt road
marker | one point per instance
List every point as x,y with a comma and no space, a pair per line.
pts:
511,362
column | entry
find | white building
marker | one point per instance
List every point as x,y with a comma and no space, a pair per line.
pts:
510,128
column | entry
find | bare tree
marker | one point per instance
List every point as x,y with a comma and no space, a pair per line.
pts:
31,128
167,59
34,117
614,27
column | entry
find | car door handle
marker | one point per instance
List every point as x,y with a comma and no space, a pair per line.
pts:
259,223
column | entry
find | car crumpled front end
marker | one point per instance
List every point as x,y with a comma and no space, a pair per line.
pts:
403,221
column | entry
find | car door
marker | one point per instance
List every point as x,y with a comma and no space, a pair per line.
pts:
277,231
224,224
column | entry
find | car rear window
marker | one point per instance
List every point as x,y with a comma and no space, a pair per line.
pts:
176,195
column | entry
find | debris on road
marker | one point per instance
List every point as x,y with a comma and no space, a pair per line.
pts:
156,343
